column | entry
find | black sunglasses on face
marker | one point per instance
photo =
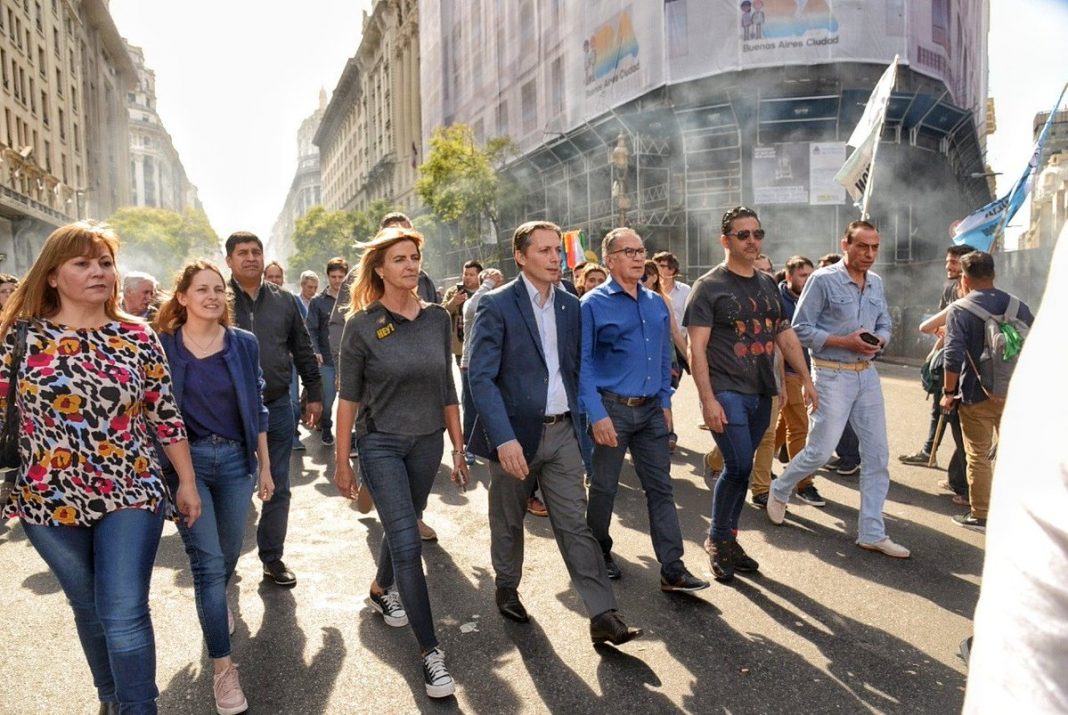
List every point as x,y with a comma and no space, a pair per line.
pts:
744,235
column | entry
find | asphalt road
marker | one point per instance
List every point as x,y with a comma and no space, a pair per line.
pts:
824,627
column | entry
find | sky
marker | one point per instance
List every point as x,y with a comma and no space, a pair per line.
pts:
235,78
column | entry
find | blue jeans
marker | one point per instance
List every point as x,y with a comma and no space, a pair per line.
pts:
848,447
274,517
747,421
328,374
855,398
214,541
644,432
399,470
294,401
105,570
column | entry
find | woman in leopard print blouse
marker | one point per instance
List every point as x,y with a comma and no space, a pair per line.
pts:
93,392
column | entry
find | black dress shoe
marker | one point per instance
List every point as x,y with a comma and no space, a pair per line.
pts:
277,572
510,606
612,567
608,627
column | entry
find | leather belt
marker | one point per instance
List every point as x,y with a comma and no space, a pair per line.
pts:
553,419
832,365
628,401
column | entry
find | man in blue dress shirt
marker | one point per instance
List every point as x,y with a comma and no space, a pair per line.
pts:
625,389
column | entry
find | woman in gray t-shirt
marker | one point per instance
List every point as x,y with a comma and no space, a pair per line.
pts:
395,370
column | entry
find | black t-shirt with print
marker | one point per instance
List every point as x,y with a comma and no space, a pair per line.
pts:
745,315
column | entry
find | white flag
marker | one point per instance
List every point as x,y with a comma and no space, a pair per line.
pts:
854,172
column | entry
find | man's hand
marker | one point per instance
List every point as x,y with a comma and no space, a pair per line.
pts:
604,432
948,402
510,456
854,342
319,359
714,416
345,479
313,412
457,299
812,398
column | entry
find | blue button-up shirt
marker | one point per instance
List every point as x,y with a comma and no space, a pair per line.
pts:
832,304
545,317
626,347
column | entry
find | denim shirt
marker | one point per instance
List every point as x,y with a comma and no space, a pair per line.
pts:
832,304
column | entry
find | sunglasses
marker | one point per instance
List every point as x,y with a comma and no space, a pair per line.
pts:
744,235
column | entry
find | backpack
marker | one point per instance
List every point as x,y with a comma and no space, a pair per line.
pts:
1003,339
933,371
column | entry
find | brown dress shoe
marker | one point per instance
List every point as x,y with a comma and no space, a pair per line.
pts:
609,627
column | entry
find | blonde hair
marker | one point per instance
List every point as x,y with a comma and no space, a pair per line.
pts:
580,279
368,286
35,298
172,314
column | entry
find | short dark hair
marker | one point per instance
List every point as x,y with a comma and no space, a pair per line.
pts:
521,235
978,266
669,258
959,251
280,267
854,226
241,237
337,263
795,262
473,264
829,259
736,213
393,218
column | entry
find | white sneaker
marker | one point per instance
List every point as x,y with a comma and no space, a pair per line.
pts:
887,547
389,605
439,684
776,510
229,697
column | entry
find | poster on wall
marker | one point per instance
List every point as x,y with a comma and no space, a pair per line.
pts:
781,173
824,161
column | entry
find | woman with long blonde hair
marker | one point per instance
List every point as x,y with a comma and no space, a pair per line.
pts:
395,371
94,391
218,385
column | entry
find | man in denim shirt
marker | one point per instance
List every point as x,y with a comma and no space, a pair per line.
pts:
842,318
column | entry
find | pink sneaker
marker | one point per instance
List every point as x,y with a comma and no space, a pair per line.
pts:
229,697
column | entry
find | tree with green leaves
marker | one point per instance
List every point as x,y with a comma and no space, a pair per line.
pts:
320,235
161,242
462,185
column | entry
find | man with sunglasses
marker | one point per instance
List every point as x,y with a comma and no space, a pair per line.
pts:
736,320
625,389
842,318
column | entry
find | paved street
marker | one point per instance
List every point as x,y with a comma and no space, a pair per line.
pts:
824,627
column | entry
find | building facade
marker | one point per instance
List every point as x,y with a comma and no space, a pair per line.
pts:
370,136
304,192
1049,192
157,177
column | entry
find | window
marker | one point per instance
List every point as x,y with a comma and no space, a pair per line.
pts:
44,106
73,98
55,41
63,168
41,60
48,156
62,126
59,81
502,118
530,106
556,86
3,67
77,141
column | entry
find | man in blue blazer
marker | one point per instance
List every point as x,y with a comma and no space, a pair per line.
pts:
523,373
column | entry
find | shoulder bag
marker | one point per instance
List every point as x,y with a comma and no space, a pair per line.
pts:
10,463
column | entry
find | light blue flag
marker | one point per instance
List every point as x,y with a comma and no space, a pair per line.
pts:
981,227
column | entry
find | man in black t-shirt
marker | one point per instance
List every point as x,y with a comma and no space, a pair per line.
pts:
735,321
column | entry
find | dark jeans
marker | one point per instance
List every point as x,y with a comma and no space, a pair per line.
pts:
748,417
105,570
643,431
274,516
957,471
848,449
214,541
468,405
399,470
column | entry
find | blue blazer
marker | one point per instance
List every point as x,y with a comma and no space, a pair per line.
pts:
242,357
507,372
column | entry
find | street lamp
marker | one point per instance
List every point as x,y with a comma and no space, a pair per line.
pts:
621,162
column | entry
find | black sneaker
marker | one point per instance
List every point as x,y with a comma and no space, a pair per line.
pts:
685,582
439,684
810,496
388,603
721,559
970,521
848,470
833,464
783,455
277,572
328,438
743,562
760,500
612,567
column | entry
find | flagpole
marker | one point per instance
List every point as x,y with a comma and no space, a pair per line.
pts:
875,152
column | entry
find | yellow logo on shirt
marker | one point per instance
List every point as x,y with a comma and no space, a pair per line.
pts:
385,332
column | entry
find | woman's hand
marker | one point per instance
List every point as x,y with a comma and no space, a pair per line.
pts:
265,485
345,479
460,471
187,499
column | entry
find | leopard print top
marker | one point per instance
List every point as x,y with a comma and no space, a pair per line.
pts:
88,400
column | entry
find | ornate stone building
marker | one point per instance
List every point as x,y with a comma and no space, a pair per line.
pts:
157,177
304,192
370,136
63,129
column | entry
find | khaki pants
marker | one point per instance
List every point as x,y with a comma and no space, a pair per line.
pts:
978,423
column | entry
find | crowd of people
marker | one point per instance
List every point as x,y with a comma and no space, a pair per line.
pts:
137,406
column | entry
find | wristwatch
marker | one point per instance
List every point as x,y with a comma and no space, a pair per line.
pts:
949,393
